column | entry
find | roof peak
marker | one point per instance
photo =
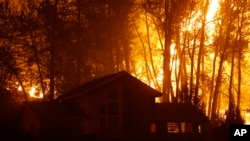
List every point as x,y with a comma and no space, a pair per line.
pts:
103,81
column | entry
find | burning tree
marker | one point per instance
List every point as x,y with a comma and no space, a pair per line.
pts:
201,41
193,51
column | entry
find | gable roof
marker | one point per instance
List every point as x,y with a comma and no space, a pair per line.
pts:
47,109
104,81
179,112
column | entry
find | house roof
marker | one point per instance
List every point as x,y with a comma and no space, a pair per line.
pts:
105,81
46,109
179,112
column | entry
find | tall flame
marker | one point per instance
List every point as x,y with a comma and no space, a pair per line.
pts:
143,68
214,7
247,118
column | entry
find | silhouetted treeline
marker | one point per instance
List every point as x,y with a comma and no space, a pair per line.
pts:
58,45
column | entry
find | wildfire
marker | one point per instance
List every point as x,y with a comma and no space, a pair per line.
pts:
144,69
33,93
247,118
212,10
214,7
150,71
19,88
148,55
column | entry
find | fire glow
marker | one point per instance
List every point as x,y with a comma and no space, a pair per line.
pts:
148,66
145,70
156,43
32,92
247,118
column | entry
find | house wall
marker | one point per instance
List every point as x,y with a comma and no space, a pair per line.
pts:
48,129
167,130
138,105
60,129
104,109
29,123
118,111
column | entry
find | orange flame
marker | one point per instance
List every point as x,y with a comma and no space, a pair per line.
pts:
142,60
247,118
33,93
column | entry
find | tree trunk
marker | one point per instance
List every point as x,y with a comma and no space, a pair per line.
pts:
52,21
167,86
126,52
211,96
37,61
231,105
144,55
192,54
222,57
216,89
201,50
25,95
52,71
150,53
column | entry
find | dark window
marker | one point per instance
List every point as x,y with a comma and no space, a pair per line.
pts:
189,127
113,108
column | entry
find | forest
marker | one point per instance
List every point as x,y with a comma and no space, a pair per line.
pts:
194,51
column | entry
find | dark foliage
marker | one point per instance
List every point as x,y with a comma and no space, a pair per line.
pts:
8,110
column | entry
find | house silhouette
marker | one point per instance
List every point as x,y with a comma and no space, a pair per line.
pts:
121,107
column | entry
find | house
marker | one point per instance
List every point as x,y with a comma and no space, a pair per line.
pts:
118,104
51,120
177,121
123,108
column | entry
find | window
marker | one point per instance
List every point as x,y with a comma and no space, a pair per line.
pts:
199,128
109,115
173,127
183,127
186,127
189,127
152,128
